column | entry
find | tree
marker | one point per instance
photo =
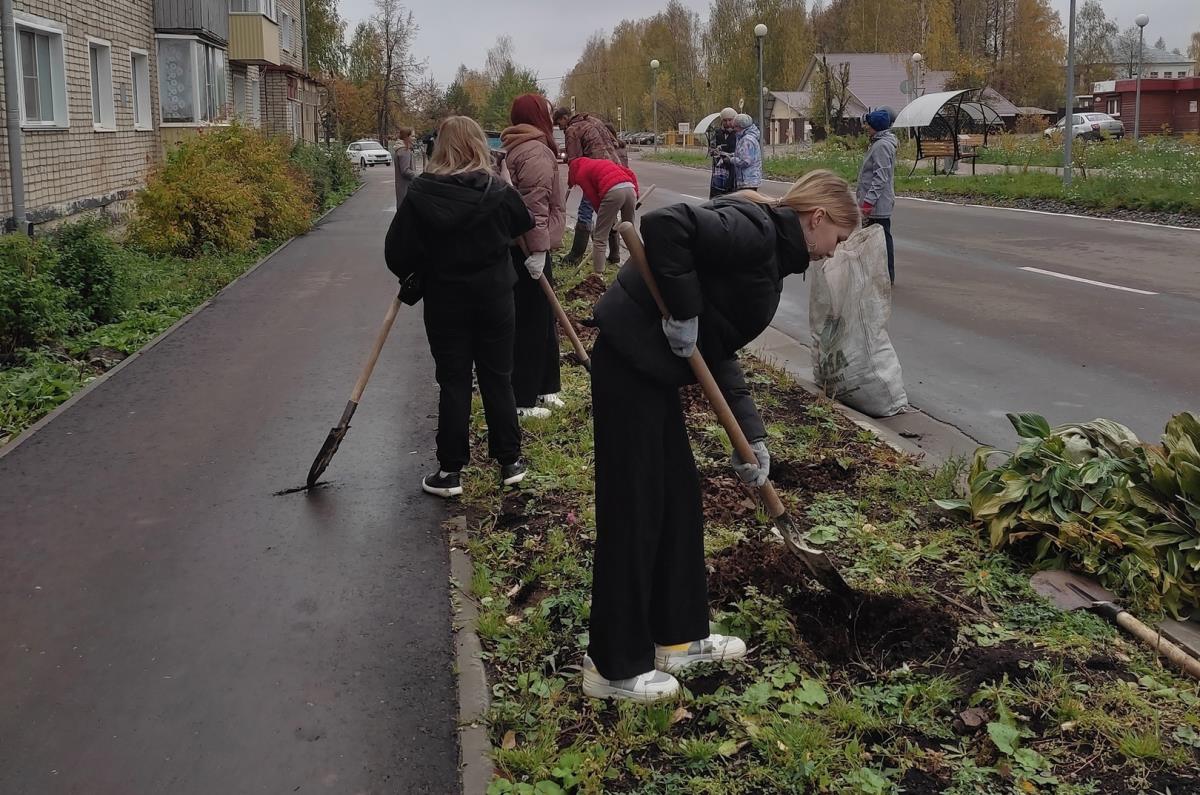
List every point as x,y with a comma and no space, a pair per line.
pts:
1161,44
1194,47
830,94
512,82
1128,51
326,38
364,57
1094,34
458,101
395,29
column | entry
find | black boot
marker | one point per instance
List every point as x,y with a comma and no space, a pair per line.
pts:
579,246
614,248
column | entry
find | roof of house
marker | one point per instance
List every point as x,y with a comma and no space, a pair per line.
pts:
1029,111
875,80
1154,55
798,101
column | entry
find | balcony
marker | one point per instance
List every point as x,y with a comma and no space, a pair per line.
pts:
253,39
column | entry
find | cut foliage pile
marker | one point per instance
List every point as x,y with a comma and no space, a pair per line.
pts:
953,677
1092,497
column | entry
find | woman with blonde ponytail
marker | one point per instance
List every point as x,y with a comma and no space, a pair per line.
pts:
720,267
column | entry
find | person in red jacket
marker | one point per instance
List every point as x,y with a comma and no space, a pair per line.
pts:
612,189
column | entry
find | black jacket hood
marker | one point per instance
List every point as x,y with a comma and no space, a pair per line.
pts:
456,201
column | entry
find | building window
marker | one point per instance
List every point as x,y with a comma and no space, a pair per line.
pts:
191,81
42,88
285,24
239,96
139,69
265,7
1154,74
104,116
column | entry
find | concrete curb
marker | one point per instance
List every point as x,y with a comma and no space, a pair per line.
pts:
912,433
474,749
99,380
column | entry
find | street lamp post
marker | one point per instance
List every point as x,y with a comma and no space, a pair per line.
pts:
1142,21
654,97
760,33
916,86
1068,127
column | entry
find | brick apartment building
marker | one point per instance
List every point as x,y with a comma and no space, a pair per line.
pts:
105,86
89,111
1172,104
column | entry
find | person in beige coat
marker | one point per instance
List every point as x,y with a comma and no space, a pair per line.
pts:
402,159
532,163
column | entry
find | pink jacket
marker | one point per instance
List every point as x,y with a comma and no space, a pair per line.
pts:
533,169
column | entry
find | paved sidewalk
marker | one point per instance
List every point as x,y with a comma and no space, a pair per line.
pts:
169,626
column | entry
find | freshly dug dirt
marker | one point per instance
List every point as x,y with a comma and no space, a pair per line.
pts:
881,631
590,289
813,477
726,500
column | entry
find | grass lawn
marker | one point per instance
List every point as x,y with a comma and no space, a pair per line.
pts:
1162,177
952,677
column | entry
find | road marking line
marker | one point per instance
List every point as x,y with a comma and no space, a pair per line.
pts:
1056,215
1088,281
697,198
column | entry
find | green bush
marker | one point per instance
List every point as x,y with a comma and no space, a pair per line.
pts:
329,173
33,309
90,268
223,190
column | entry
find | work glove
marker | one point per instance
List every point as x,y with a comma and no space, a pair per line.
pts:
682,335
866,208
753,473
535,263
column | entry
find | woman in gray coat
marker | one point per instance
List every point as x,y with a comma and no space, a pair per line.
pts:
402,159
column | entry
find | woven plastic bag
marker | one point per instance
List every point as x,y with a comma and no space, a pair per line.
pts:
849,305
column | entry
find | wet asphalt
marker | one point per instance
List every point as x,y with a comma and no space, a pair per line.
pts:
167,625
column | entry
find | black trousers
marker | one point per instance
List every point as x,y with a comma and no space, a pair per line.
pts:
472,329
535,357
649,580
886,223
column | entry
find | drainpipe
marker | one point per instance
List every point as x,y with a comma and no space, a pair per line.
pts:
304,35
12,112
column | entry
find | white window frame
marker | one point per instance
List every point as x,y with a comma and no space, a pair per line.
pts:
285,26
140,85
200,95
266,8
101,49
56,32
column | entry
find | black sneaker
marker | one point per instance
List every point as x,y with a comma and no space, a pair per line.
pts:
512,474
448,485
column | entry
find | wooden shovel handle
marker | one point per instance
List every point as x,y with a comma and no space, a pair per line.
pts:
565,323
380,339
704,376
644,195
1177,656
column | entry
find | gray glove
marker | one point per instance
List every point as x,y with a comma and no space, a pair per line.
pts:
754,474
682,335
535,263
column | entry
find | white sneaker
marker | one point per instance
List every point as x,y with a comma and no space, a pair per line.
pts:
647,687
551,401
536,413
714,648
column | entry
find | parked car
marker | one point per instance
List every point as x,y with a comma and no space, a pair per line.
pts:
493,139
368,153
1089,126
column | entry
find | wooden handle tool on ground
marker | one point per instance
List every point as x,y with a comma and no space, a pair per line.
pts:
338,432
822,570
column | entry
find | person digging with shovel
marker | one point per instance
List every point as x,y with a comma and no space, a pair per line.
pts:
720,268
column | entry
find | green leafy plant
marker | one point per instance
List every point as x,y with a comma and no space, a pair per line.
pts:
90,267
33,309
1091,496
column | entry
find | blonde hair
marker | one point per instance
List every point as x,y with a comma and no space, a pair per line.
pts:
461,147
816,190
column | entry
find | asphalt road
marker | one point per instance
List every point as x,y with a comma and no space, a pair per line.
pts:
170,626
979,335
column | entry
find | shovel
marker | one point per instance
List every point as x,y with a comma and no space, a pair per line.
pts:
1069,591
818,565
565,323
644,195
338,432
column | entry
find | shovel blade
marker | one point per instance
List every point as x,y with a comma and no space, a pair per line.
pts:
1069,591
818,563
332,442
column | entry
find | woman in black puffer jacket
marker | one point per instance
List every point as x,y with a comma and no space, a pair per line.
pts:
720,267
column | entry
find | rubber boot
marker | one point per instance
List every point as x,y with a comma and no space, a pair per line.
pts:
614,248
579,246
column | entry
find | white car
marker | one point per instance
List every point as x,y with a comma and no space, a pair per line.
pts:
1089,126
368,153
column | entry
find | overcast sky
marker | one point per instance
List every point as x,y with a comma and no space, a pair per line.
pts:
549,34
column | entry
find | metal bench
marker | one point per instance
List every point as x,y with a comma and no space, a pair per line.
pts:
969,146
